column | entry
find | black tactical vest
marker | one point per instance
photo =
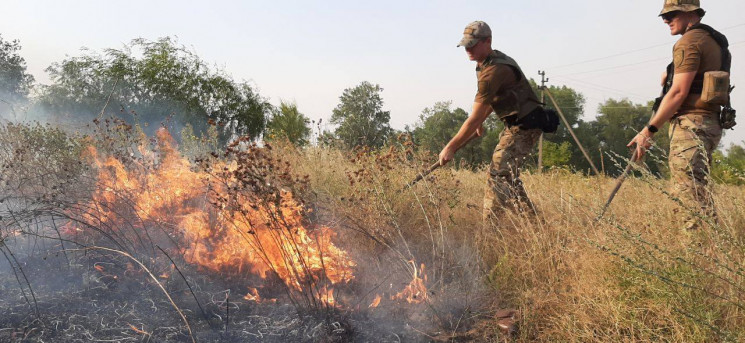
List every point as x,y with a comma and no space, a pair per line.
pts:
698,82
515,100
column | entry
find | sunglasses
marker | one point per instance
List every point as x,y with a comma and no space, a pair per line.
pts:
669,16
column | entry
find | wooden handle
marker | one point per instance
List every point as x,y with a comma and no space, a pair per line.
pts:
619,182
424,173
437,164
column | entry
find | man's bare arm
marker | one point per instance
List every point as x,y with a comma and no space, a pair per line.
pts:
467,130
668,107
674,98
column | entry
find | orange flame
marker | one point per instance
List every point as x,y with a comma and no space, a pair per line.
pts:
375,301
327,296
416,291
252,295
166,191
135,329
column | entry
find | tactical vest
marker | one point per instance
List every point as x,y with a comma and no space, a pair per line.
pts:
698,82
514,100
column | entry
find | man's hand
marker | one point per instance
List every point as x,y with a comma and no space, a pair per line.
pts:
446,155
470,128
642,140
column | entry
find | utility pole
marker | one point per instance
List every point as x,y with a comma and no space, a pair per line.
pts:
571,132
544,80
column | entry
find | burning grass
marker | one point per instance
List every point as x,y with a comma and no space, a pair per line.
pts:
119,237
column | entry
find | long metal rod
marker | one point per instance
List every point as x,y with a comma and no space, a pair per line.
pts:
423,174
619,182
437,164
566,123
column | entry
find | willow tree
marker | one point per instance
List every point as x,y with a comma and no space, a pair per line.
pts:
153,82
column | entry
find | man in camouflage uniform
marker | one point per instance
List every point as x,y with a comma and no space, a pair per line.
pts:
503,89
695,129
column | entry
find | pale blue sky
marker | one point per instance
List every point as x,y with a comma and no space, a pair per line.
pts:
310,51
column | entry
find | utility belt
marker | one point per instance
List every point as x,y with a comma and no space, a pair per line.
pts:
540,118
714,89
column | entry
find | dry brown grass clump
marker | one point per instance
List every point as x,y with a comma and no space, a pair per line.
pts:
634,276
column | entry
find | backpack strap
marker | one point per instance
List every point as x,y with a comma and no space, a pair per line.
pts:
697,85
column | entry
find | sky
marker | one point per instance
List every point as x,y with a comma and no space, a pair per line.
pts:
309,51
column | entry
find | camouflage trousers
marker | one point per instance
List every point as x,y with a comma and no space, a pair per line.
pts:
504,187
693,138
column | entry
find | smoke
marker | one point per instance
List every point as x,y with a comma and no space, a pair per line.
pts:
455,298
9,107
62,212
167,115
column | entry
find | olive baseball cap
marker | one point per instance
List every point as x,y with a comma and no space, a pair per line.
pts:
681,5
473,33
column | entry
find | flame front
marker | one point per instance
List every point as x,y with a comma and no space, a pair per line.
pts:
415,291
135,329
376,301
257,238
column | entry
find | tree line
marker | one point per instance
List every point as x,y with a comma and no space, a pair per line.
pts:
153,81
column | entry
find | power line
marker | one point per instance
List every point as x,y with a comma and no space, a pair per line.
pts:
733,26
627,94
609,56
614,67
627,52
630,64
603,88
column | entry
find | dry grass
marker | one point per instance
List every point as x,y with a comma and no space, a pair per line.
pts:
634,276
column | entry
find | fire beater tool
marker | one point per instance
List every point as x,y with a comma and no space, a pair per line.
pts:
619,182
634,158
435,165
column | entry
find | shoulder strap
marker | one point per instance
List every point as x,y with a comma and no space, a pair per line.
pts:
502,58
698,82
721,41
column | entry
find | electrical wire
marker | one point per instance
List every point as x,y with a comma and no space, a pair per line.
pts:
630,64
603,88
628,52
609,56
614,67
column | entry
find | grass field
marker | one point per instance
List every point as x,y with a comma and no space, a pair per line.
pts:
633,276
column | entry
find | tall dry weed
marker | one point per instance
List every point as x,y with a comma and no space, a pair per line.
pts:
633,276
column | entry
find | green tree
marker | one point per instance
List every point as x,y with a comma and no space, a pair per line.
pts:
15,82
154,80
439,123
572,104
556,155
619,121
729,168
360,116
287,122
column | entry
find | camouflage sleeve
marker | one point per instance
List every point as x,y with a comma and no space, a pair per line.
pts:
490,82
686,56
